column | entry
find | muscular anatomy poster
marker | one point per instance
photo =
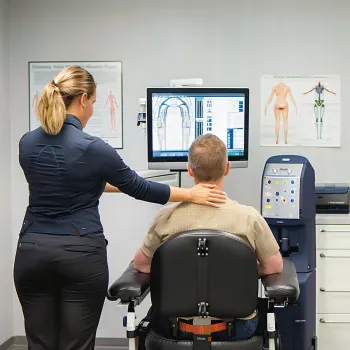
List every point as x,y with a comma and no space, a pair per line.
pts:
301,111
107,121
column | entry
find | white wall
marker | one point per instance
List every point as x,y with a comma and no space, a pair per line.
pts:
6,291
225,42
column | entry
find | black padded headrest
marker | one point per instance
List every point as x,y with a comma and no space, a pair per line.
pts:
183,276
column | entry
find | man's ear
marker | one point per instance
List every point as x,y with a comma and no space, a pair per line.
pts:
189,170
83,100
228,167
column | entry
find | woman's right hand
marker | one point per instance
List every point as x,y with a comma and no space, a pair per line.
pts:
206,194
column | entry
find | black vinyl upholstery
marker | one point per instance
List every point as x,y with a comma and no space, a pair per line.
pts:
132,284
157,342
226,279
283,285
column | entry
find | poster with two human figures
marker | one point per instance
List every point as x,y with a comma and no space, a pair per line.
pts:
301,110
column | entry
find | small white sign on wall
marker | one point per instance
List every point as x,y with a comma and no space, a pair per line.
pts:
107,120
300,110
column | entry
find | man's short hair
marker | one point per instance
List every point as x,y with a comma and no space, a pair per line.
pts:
207,158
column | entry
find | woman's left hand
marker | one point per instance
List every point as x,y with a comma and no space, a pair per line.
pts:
207,194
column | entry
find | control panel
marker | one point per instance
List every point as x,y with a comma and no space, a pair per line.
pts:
281,191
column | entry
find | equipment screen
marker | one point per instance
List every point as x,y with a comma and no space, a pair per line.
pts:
176,117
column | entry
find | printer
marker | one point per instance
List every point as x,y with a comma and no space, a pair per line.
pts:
332,198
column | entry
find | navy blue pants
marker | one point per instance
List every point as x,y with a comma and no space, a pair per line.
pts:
245,329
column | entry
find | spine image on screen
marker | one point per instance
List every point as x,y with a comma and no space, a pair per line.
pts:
179,119
173,118
178,116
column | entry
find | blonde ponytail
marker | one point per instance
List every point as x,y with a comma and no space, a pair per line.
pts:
51,109
59,94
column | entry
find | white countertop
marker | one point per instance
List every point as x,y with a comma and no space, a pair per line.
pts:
146,174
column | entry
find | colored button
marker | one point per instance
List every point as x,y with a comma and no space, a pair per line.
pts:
267,206
292,182
292,192
277,193
268,201
292,200
269,181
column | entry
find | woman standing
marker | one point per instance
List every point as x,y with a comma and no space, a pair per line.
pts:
61,270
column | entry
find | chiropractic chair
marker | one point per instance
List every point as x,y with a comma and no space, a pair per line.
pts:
204,274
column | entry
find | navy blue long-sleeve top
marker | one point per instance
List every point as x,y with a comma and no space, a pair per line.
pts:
67,174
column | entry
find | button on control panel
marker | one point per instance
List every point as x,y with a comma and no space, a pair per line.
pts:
281,191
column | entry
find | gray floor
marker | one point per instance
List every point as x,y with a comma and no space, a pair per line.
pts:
19,343
22,347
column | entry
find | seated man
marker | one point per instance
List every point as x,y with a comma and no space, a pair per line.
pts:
207,163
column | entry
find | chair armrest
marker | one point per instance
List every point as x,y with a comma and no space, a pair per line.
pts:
282,286
132,285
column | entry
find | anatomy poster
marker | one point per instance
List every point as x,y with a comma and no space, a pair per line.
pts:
301,111
107,120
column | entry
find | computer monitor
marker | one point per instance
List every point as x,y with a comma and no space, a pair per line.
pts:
177,116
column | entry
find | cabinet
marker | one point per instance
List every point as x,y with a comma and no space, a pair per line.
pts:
333,331
332,281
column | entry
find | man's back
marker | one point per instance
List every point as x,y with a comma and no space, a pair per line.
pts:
231,217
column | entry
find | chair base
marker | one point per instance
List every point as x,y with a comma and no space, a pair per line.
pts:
156,342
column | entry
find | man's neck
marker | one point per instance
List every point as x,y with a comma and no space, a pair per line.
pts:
219,184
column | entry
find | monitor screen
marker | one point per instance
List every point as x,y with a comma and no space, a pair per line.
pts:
177,116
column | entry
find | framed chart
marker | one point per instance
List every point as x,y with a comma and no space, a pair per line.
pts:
301,110
107,120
